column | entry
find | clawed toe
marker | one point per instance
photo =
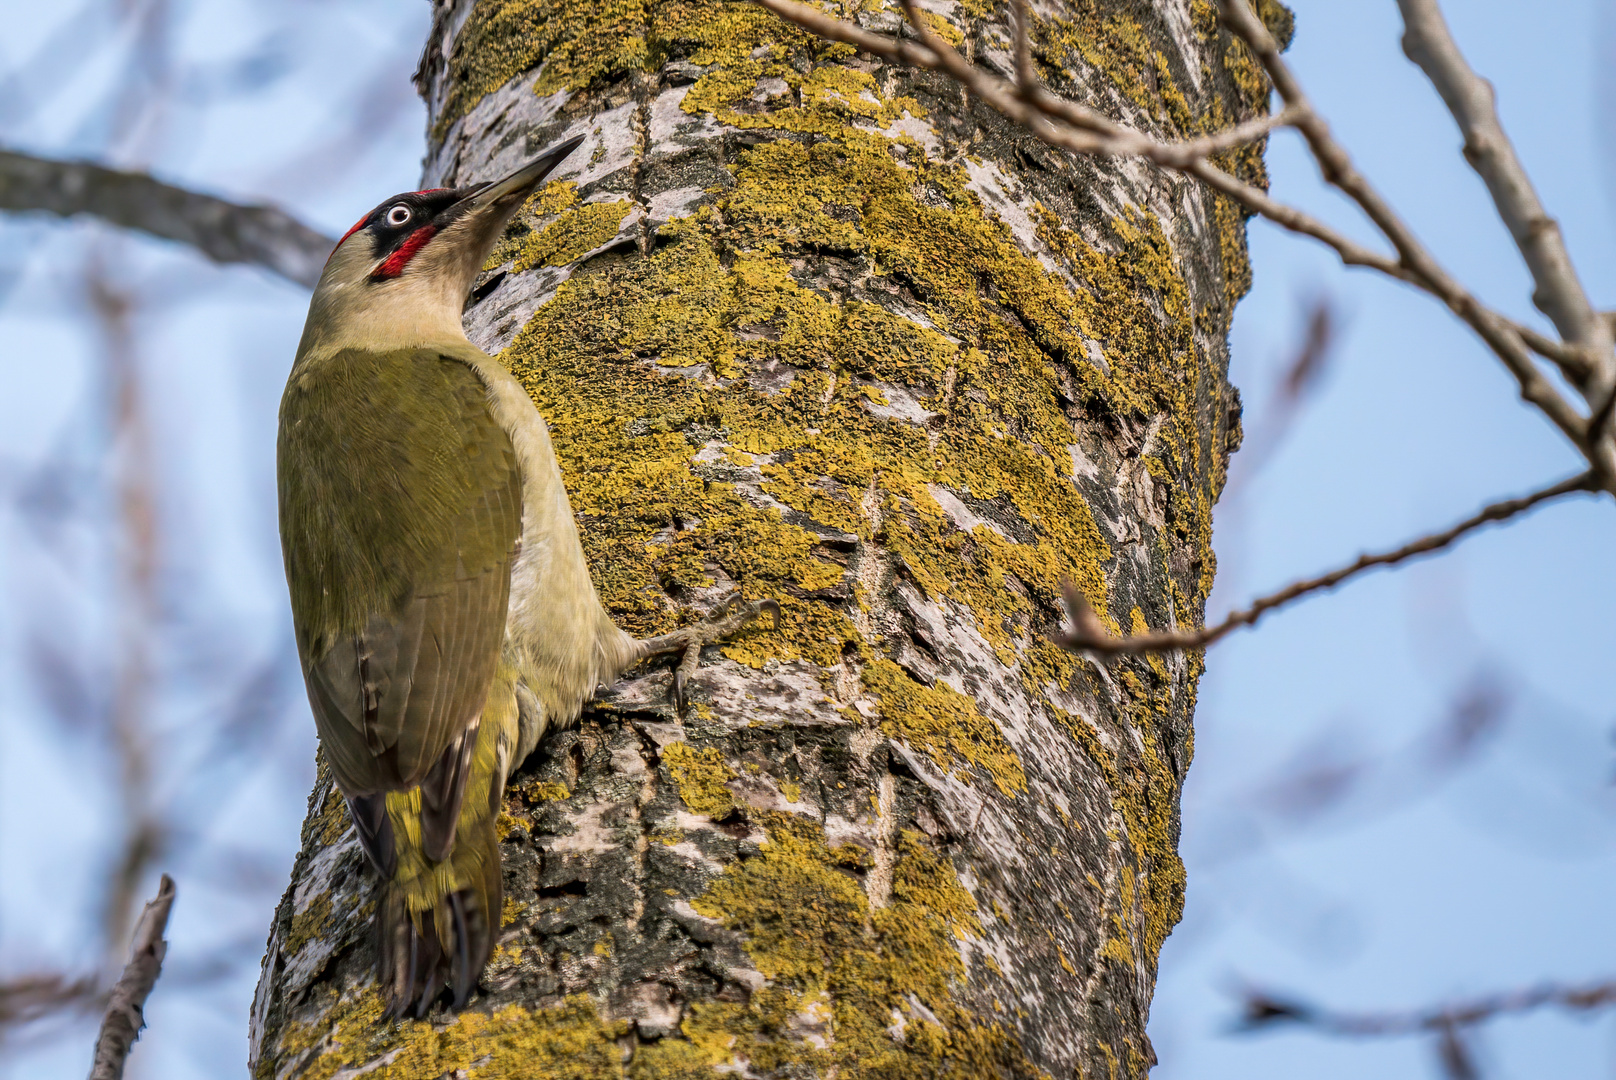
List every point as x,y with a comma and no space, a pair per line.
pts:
729,618
739,614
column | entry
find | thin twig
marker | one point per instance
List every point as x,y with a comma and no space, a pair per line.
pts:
1059,122
125,1014
1570,358
1338,170
1085,131
1259,202
1599,424
1088,633
225,232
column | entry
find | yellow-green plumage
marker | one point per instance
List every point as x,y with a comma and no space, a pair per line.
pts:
412,472
410,553
420,900
424,883
401,508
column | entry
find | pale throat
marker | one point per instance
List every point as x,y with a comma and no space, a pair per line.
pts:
420,307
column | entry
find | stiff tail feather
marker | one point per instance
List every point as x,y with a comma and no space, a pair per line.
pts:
437,919
419,953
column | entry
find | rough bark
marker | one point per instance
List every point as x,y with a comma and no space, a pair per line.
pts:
823,331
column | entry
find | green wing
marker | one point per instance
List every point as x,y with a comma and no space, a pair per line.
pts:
400,510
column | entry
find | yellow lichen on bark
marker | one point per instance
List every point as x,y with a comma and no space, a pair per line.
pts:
942,722
569,1042
881,979
701,776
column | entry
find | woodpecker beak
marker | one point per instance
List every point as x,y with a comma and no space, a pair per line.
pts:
452,248
507,194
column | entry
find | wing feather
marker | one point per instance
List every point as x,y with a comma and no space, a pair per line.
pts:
400,512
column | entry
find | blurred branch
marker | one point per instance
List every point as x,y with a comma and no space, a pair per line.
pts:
1324,778
1302,375
138,608
1089,633
1310,359
28,998
144,842
374,116
72,44
225,232
1333,780
1448,1024
125,1010
1261,1009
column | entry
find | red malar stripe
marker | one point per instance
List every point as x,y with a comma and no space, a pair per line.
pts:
399,259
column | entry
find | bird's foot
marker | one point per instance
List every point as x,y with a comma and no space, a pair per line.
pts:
727,620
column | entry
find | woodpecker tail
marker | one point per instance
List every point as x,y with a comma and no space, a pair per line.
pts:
437,919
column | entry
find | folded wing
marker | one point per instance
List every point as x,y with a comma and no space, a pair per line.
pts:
401,508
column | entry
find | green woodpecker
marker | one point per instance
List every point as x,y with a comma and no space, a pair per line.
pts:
444,614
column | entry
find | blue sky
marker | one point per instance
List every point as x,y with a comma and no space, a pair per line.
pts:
1424,887
1421,885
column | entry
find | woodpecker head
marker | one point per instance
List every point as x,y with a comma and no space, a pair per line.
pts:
400,276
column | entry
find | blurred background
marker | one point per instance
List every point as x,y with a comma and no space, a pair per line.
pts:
1402,794
143,621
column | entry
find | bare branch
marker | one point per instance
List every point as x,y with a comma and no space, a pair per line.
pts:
833,29
1599,424
1570,358
1055,120
1089,633
29,998
125,1010
1423,269
1559,294
1094,133
1333,159
225,232
1085,131
1290,218
1262,1010
1025,77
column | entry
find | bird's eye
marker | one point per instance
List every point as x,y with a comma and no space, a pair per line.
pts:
398,215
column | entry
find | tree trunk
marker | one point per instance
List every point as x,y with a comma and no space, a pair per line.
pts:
826,331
